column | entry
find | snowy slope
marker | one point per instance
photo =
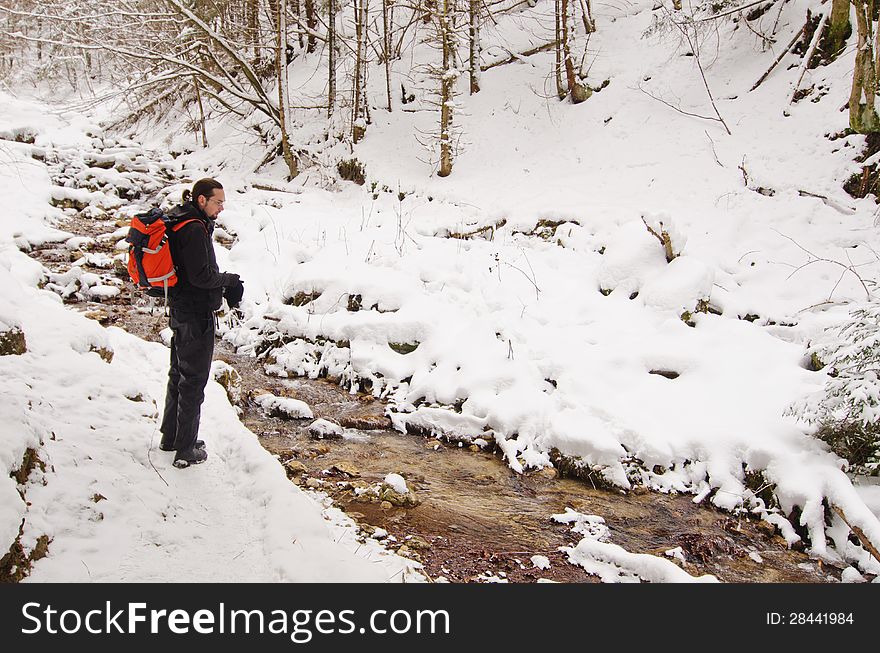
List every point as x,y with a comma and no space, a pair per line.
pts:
108,499
549,344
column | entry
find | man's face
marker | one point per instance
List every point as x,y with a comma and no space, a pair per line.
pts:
213,205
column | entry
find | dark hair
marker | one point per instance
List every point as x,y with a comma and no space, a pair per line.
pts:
205,187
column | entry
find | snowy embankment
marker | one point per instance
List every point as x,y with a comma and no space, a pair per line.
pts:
84,400
523,299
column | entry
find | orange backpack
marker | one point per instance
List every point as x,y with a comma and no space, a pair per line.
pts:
149,255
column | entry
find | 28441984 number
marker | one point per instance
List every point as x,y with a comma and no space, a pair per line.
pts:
831,618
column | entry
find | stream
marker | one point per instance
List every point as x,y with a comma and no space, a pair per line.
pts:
476,519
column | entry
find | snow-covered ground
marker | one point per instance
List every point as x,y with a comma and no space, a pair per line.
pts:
110,501
540,343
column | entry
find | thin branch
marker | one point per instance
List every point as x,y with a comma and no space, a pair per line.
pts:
796,38
675,108
858,532
518,56
696,52
714,153
734,11
817,259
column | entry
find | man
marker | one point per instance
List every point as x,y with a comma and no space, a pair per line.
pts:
198,293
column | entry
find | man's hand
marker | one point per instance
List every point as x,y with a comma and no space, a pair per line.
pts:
230,279
234,293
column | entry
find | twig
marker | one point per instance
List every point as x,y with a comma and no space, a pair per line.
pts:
271,154
846,210
817,259
522,272
778,16
149,458
742,166
714,153
768,41
825,303
664,239
675,108
858,532
518,56
696,52
733,11
797,37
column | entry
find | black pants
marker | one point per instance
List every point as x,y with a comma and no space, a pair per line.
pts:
192,347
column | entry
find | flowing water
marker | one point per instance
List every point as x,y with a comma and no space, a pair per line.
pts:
476,518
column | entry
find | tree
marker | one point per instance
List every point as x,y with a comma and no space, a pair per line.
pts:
253,25
331,57
360,110
475,18
862,115
311,24
839,27
448,77
283,96
847,410
386,49
577,91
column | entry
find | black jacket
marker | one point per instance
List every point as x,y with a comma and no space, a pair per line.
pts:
200,283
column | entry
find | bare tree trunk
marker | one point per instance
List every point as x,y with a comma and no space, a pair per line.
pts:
863,117
589,21
299,32
386,50
312,24
839,27
253,22
474,54
447,81
560,89
358,114
283,97
331,47
365,105
201,111
577,90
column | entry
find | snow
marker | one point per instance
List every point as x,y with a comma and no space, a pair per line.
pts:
111,503
322,428
591,526
103,292
283,406
542,344
540,562
851,575
613,563
396,482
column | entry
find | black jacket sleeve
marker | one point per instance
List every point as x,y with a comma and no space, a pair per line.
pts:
195,249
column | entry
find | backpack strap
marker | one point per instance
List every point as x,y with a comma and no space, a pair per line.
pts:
176,228
186,222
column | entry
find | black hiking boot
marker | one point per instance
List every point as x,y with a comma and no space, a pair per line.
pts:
194,456
166,446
